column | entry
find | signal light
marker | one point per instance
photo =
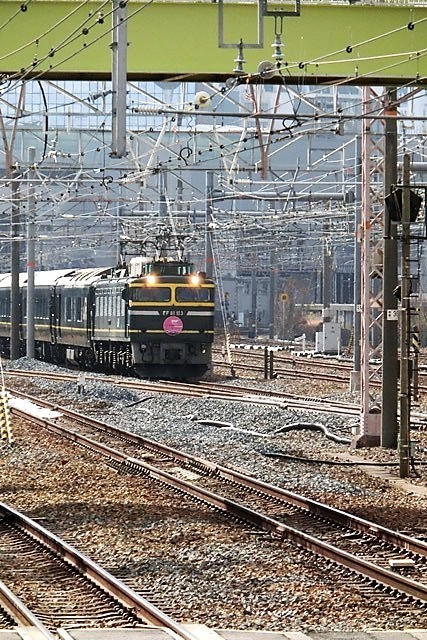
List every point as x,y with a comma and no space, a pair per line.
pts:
393,202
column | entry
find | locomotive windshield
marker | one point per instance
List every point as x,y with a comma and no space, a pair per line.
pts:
150,294
194,294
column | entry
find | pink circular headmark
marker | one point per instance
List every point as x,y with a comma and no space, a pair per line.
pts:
173,325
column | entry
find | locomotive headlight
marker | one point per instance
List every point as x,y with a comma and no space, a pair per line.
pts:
195,280
151,279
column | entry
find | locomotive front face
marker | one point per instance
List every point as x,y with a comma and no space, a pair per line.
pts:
171,321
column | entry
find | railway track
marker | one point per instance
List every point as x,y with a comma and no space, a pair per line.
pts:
13,611
53,585
288,365
204,389
253,362
384,557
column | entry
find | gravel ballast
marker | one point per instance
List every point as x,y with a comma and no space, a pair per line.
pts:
141,535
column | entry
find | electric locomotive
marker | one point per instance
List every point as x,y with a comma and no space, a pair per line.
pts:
153,318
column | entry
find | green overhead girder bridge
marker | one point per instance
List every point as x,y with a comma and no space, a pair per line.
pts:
375,44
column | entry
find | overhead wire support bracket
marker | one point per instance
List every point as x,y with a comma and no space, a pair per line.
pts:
279,12
232,45
263,11
119,79
266,69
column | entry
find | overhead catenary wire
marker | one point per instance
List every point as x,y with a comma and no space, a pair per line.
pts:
23,8
254,147
30,69
44,33
362,43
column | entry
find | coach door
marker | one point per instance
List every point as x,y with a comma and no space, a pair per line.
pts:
55,315
90,328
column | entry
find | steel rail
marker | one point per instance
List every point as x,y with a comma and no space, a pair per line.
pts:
279,369
381,575
22,615
281,359
221,392
301,502
93,571
215,391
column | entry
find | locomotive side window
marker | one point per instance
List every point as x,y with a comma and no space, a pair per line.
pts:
150,294
194,294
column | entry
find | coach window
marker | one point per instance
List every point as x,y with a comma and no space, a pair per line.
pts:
38,308
43,308
68,309
78,309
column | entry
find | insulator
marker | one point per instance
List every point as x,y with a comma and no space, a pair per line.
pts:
277,44
240,60
154,111
266,69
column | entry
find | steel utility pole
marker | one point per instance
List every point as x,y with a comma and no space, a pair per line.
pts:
355,374
327,267
119,79
405,391
254,298
389,426
15,228
273,293
30,253
371,232
208,223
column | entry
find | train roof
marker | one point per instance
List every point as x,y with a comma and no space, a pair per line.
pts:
46,278
69,277
40,278
82,277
